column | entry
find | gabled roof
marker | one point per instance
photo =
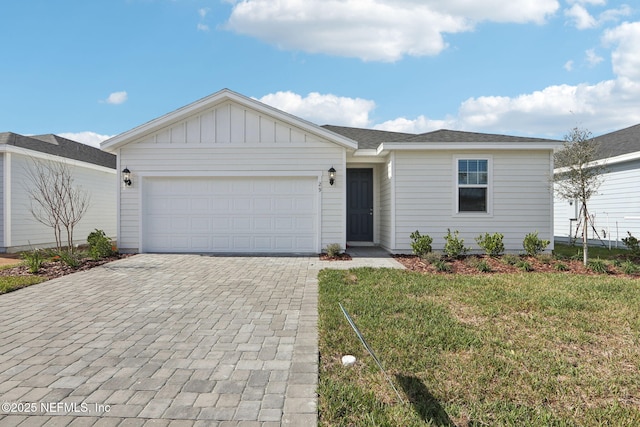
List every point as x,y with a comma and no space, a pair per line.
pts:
217,98
61,147
618,143
445,135
368,138
372,139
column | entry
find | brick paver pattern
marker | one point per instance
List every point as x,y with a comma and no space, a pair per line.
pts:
164,340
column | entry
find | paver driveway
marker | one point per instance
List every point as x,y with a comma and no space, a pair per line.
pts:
164,340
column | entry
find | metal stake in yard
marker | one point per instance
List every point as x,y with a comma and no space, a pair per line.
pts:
369,350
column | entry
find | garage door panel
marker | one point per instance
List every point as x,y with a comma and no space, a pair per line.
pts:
178,224
231,214
202,224
262,204
201,204
241,205
221,204
304,205
262,224
302,223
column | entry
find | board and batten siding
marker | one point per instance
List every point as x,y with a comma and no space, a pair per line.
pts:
615,208
232,140
100,182
425,191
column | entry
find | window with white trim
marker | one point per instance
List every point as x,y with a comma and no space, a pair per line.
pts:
473,192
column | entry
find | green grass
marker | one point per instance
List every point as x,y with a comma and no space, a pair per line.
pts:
12,283
527,349
566,251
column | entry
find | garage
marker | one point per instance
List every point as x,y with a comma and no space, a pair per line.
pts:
230,214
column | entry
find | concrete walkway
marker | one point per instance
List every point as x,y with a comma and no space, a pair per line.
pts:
364,256
166,340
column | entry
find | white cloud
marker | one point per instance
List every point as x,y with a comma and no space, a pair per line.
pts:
375,30
89,138
625,58
591,2
601,107
583,20
421,124
116,98
323,108
615,14
568,65
581,17
592,58
202,12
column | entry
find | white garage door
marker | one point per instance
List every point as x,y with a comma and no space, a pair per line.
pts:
230,214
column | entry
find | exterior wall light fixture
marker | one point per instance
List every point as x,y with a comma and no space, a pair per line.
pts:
332,175
126,177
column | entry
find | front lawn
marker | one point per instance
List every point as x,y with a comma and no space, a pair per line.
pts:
12,283
527,349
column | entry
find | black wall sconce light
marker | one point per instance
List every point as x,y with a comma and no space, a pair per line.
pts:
332,175
126,177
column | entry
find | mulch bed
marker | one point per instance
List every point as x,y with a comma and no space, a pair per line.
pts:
341,257
53,269
468,265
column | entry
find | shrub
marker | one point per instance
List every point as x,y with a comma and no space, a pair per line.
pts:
545,259
632,244
33,259
524,265
598,266
99,245
483,266
421,245
454,245
629,268
333,250
72,259
491,243
431,258
510,259
442,266
561,267
533,245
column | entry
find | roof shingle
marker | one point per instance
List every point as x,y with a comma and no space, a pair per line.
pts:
617,143
62,147
371,139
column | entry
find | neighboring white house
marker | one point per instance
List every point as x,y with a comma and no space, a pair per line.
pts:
91,168
230,174
615,209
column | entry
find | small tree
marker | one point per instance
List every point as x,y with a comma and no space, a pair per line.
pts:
579,176
55,201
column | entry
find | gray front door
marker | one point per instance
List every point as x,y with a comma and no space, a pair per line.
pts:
360,205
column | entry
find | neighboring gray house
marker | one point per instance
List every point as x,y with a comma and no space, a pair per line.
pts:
93,169
230,174
615,210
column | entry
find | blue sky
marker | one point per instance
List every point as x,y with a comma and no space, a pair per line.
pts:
92,69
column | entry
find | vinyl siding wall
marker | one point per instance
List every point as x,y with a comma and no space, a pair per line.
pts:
2,213
386,195
232,140
613,207
425,195
27,232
